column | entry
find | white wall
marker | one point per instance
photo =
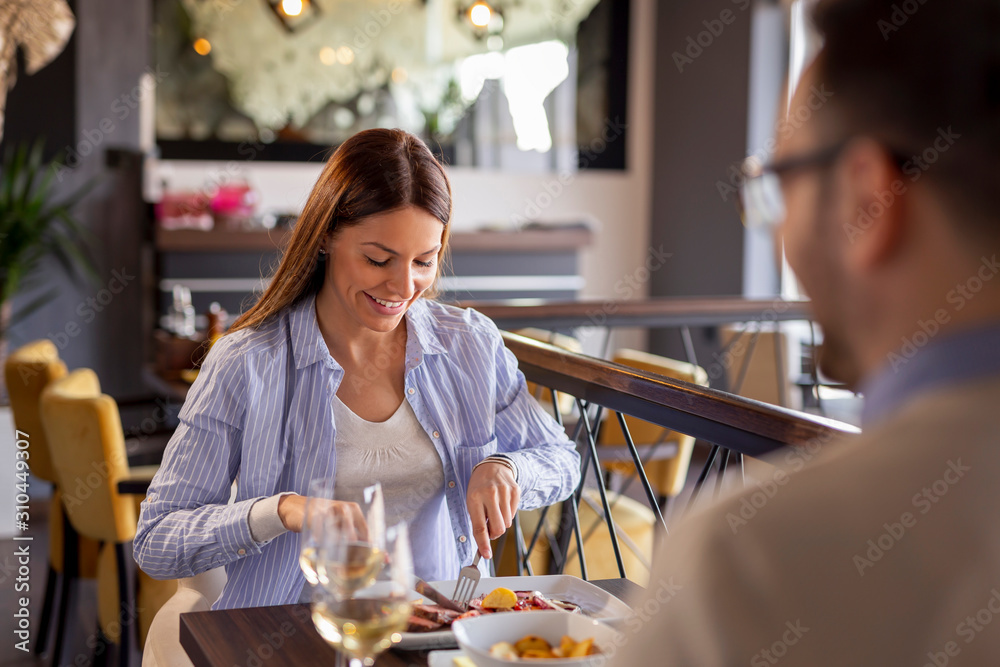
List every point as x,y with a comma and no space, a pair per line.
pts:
618,202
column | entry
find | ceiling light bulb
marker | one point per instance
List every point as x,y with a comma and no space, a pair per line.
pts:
291,7
479,14
328,55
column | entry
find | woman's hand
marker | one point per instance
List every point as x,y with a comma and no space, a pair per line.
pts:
492,499
291,511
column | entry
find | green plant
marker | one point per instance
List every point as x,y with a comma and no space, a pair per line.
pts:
35,223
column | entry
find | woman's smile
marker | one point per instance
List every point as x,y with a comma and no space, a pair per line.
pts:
390,307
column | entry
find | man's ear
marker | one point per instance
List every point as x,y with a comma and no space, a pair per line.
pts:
872,204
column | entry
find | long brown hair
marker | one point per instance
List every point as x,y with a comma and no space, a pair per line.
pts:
373,172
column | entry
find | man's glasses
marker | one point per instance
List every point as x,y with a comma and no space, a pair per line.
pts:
760,200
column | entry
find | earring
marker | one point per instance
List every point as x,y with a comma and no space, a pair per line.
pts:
322,253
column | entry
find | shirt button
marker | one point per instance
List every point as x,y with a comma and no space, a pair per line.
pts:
411,391
436,434
461,538
451,484
242,552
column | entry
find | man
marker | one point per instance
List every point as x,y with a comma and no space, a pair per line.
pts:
884,550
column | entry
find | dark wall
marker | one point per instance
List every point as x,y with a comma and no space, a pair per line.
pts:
700,129
78,103
44,104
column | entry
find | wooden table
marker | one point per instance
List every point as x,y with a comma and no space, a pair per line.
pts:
284,635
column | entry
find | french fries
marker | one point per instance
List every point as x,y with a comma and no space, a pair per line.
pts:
534,647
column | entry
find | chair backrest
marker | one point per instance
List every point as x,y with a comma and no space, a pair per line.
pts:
766,377
642,432
85,433
28,370
668,476
559,340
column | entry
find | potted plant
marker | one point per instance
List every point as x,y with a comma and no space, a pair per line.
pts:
34,223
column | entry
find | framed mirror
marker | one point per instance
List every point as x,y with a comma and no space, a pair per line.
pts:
517,85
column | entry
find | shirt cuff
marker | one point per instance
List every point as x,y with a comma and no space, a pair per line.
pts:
265,524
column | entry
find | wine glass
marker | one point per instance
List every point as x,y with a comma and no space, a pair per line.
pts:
317,502
364,614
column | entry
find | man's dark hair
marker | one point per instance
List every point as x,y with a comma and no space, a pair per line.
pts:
904,71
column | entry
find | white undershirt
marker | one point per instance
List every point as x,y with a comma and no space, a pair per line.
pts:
397,452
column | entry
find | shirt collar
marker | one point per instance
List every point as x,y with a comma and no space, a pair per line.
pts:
421,331
960,357
308,346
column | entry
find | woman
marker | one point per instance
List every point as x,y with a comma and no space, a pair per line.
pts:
345,368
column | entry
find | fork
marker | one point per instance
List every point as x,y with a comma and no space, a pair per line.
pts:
468,580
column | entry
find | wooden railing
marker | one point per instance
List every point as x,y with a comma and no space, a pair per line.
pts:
733,425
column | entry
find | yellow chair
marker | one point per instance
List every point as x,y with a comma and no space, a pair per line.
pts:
666,474
28,370
568,343
766,378
85,433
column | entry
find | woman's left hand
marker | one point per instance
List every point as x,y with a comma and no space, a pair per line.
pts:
492,499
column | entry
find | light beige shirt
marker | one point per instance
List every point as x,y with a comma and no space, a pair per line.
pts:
884,550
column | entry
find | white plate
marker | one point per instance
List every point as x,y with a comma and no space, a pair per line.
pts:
595,602
443,658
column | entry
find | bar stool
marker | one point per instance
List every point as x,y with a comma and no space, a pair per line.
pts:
28,371
85,433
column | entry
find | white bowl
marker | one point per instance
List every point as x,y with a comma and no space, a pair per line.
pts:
477,635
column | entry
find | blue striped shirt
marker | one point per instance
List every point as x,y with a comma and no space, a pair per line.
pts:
261,414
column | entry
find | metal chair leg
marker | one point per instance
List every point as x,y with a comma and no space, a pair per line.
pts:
125,607
51,581
70,575
102,649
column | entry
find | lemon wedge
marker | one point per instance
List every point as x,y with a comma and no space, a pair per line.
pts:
500,598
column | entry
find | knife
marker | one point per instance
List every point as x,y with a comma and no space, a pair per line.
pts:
436,596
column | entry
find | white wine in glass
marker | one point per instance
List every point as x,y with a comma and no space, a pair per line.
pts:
355,569
365,605
361,627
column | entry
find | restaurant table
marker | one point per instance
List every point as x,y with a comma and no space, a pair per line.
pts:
284,635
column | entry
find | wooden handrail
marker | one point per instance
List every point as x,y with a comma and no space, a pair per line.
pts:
741,424
655,312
